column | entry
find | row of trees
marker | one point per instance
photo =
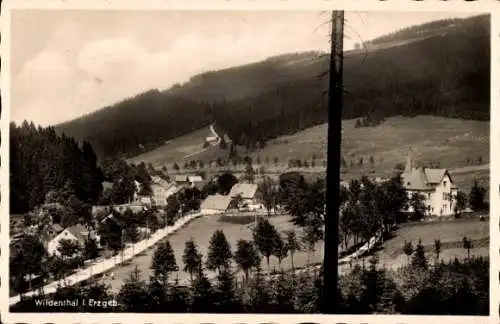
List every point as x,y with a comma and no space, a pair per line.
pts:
451,288
418,252
267,242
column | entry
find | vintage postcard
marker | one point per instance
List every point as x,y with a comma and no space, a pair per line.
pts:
294,162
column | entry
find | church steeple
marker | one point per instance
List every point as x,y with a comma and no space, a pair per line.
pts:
409,166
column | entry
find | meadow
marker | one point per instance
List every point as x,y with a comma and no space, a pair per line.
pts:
390,254
460,145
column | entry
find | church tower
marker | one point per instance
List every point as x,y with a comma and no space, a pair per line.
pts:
409,166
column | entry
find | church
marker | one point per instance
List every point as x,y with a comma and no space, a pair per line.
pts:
435,185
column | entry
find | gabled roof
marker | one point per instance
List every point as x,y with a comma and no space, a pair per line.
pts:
435,175
78,231
159,181
422,178
246,190
217,202
181,178
57,228
195,178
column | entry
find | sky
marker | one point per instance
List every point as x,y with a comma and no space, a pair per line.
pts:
65,64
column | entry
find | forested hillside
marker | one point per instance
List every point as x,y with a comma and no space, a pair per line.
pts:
445,74
47,168
42,162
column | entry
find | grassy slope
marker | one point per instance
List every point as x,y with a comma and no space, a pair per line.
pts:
175,150
448,232
445,140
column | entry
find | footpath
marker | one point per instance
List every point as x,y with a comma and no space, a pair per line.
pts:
105,265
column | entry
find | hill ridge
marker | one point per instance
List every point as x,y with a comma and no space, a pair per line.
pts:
446,74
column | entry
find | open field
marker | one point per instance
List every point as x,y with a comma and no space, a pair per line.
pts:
201,231
448,141
391,255
175,151
450,232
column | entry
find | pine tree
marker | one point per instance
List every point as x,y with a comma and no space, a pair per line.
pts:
90,250
164,262
246,256
219,252
265,237
133,295
202,294
419,260
280,249
283,296
226,299
477,197
259,296
467,245
192,258
437,249
408,249
292,244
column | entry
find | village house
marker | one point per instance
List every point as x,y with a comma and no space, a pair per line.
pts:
215,204
181,179
211,140
194,180
77,233
188,180
248,194
434,185
247,191
161,190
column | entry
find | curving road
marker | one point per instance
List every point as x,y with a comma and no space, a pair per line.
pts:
103,265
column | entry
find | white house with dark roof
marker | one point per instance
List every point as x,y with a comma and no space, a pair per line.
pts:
435,185
247,191
76,233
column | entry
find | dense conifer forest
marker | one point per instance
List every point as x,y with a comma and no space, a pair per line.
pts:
48,168
41,162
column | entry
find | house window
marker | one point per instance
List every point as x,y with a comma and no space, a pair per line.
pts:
444,183
408,183
428,196
444,195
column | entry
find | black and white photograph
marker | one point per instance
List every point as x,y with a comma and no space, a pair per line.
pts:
248,161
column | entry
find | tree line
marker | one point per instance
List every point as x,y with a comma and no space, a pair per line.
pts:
444,288
369,208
